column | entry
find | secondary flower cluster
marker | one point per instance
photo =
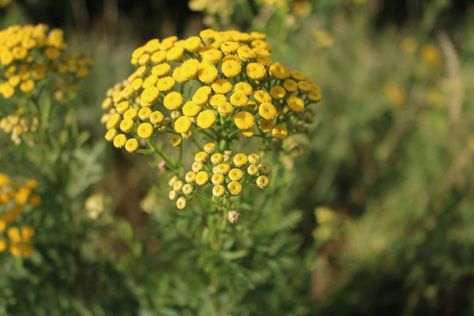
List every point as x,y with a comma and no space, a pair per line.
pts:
18,124
15,199
223,85
226,173
227,12
29,53
5,3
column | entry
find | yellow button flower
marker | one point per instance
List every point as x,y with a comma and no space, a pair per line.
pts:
217,178
182,124
211,56
173,100
222,86
243,88
110,134
166,83
208,73
279,71
256,71
225,109
216,158
131,145
240,160
290,85
156,117
262,182
130,113
254,159
150,95
296,104
222,168
201,178
145,130
244,120
175,53
161,69
231,68
190,109
277,92
210,148
200,98
126,125
144,113
235,174
262,96
218,190
158,57
181,203
268,111
113,121
192,44
238,99
206,119
122,106
119,140
201,156
234,188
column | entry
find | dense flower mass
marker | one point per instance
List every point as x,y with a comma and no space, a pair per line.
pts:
16,199
220,84
225,174
30,53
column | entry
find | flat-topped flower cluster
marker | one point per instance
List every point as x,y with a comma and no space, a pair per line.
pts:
223,84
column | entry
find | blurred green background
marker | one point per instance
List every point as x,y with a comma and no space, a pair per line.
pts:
387,181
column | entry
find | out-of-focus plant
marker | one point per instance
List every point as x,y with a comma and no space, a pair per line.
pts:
51,272
284,14
393,167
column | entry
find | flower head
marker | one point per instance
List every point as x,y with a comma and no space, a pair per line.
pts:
223,82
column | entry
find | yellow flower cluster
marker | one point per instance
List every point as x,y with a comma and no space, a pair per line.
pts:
222,10
5,3
223,84
225,12
225,172
18,124
15,198
29,53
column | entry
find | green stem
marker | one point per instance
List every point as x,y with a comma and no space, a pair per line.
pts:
162,156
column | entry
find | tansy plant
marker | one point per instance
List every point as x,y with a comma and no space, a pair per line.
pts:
220,87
